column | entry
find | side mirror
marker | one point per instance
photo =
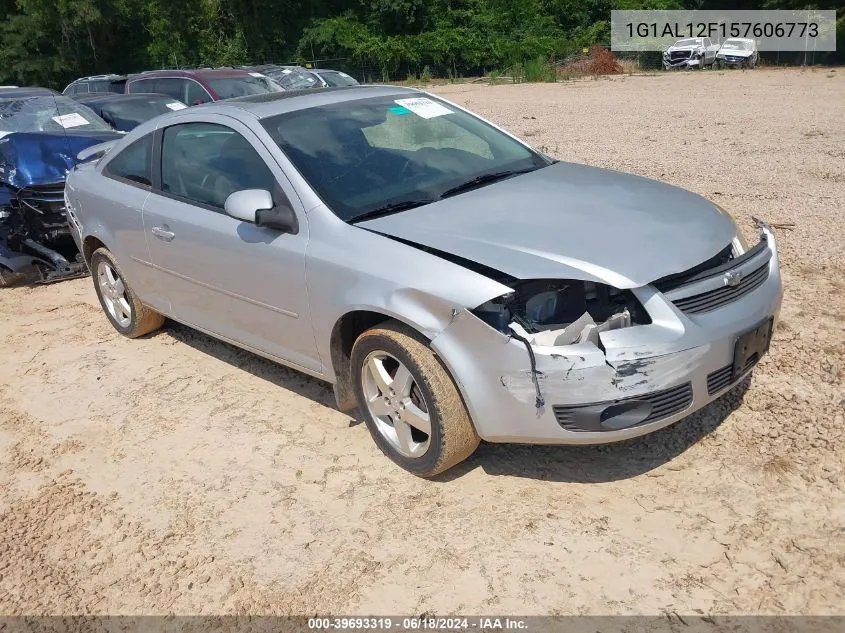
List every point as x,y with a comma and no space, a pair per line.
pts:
256,206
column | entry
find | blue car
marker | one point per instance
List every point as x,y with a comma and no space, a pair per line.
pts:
40,137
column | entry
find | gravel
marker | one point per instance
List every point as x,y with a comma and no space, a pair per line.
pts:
177,474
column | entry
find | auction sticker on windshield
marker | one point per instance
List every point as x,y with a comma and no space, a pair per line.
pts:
176,105
74,119
425,108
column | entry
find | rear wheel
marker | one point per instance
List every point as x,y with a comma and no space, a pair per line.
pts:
124,310
409,401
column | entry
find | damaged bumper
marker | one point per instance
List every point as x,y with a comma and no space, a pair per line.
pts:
702,341
693,62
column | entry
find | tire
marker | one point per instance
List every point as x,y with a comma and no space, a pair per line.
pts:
131,318
9,278
451,438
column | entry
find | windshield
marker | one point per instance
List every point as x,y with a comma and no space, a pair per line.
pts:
47,114
737,45
230,87
692,42
336,78
370,154
128,114
294,79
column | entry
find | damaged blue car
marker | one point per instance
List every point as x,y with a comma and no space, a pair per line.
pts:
40,137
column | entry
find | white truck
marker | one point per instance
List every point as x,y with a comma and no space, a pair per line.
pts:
692,52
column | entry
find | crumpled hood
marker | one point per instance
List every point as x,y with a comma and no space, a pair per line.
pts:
37,158
695,48
571,221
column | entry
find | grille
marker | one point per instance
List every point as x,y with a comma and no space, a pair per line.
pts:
663,404
719,379
714,299
678,55
43,208
704,269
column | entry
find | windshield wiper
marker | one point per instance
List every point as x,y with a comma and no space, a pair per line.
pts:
484,179
393,207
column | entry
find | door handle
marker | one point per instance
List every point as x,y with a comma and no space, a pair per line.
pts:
162,233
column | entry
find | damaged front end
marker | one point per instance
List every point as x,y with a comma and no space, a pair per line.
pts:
551,312
36,245
598,364
556,313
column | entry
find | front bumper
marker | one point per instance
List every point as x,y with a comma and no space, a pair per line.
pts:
679,364
733,61
692,62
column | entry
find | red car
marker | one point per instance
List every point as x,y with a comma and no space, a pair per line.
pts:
199,85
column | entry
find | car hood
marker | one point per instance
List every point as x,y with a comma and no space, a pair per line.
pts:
38,158
571,221
683,48
729,52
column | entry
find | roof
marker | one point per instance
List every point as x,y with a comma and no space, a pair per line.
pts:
273,103
205,73
100,77
30,91
105,97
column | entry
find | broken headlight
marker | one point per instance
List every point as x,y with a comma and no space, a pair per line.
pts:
562,311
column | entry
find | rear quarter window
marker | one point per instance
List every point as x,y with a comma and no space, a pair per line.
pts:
134,163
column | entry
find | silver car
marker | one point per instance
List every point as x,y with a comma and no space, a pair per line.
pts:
450,281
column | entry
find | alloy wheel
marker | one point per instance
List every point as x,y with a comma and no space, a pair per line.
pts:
113,292
396,404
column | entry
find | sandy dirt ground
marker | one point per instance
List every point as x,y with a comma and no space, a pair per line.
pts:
177,474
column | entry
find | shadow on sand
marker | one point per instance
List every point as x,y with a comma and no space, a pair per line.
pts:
580,464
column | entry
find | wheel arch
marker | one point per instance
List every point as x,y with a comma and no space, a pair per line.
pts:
346,330
90,244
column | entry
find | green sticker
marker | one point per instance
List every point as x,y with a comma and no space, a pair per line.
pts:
399,110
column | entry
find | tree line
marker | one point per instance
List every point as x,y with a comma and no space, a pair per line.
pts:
50,42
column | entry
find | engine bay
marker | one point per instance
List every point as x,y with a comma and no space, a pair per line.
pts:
554,312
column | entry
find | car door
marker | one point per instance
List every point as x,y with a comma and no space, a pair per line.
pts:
709,53
123,191
230,278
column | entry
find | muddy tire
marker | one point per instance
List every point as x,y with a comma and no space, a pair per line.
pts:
123,309
9,278
404,391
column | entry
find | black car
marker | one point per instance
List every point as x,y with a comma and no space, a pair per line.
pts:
125,112
96,83
333,78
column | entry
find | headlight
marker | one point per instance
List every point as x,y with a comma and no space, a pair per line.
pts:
5,213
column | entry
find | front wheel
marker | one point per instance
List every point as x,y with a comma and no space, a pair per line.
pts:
409,401
124,310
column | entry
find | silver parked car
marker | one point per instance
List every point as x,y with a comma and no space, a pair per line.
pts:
449,280
739,52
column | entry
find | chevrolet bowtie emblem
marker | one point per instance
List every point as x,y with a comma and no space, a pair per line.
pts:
733,278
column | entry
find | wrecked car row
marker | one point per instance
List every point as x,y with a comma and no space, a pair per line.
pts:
40,136
701,52
42,132
460,285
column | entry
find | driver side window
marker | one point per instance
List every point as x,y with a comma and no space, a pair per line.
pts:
205,163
